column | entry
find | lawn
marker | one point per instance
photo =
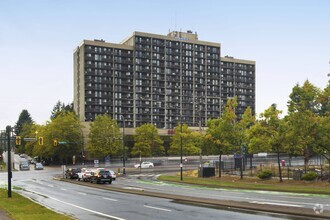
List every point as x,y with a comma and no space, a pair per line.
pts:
253,183
19,207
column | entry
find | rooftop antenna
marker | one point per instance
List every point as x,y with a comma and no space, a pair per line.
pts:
175,21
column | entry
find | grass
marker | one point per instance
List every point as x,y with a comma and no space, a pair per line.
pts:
253,183
19,207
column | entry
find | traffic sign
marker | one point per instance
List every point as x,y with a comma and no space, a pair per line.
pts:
30,139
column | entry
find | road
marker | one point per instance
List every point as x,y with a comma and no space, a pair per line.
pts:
84,202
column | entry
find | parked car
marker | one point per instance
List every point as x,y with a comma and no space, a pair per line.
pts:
100,176
113,174
84,175
72,173
38,166
144,164
24,164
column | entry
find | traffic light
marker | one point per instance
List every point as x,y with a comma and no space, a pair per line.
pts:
55,142
18,140
41,141
244,148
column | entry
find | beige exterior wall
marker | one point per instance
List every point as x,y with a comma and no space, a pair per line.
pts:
233,60
79,82
173,36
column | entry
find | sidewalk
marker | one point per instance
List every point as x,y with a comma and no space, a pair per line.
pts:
3,216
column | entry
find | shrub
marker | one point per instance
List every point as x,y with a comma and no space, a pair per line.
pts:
266,174
310,176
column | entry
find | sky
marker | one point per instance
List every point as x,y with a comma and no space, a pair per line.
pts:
289,40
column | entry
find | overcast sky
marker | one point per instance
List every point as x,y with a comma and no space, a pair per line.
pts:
289,40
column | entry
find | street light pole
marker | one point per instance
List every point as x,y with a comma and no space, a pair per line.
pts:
123,143
8,130
181,147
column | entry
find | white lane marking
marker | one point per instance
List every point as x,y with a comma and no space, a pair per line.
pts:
50,185
152,207
79,207
110,199
273,203
81,193
63,189
135,188
281,201
294,197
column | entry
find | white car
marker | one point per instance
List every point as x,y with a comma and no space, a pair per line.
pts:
38,166
144,165
84,175
113,174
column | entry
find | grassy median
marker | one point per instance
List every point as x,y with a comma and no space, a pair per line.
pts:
19,207
253,183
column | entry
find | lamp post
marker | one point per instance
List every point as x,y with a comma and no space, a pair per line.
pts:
123,143
8,130
181,147
82,147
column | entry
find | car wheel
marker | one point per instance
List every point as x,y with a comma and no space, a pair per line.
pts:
150,166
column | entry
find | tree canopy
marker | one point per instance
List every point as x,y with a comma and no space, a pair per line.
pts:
147,142
104,137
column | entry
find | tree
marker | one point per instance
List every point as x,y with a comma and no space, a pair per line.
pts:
147,142
269,134
303,107
222,134
67,130
105,138
324,100
24,118
185,138
28,131
61,107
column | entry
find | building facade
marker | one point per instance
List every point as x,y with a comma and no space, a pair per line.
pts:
159,79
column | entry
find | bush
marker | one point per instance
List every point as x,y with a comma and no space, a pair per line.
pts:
310,176
264,175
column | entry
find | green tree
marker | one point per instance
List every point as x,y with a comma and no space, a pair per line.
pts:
185,138
322,140
24,118
105,137
303,108
147,142
61,107
222,134
269,134
29,130
324,100
67,129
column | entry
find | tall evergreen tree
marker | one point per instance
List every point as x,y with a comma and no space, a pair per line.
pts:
24,118
61,107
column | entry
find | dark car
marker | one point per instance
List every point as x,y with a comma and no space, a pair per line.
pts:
157,162
101,176
72,173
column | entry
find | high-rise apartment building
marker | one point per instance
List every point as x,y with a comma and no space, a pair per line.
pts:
159,79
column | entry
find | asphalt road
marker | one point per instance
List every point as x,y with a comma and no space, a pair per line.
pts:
83,202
